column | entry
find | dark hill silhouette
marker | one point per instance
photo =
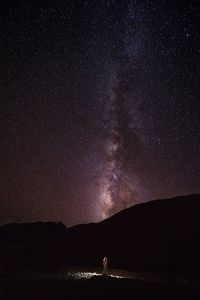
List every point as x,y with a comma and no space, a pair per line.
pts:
158,236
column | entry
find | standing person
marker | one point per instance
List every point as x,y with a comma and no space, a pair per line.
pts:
105,266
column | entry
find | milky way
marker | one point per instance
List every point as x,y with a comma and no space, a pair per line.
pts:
101,106
122,183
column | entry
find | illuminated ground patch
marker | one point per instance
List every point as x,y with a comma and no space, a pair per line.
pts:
87,275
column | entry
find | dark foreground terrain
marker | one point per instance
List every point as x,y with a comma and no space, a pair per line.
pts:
158,237
161,236
59,286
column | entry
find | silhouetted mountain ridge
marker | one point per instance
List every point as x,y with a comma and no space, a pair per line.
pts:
34,226
161,235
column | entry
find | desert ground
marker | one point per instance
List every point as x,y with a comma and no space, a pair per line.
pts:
90,283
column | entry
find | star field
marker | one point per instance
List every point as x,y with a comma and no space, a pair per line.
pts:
100,106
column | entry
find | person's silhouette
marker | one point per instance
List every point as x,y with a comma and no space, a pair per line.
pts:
105,265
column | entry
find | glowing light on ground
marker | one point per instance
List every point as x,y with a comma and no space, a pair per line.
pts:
87,275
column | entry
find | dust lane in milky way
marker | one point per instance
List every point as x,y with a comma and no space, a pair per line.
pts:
102,107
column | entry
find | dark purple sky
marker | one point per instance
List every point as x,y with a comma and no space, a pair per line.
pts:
101,106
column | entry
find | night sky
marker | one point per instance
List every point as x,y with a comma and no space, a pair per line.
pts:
100,106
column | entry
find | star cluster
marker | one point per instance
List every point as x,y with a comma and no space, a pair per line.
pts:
100,106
